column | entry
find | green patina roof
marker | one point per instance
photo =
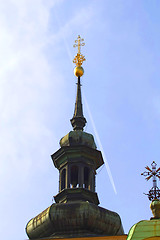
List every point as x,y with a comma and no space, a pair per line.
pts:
74,220
78,138
145,229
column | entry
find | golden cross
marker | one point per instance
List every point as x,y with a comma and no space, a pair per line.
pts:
79,58
80,43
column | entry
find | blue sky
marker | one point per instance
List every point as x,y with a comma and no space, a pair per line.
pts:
37,95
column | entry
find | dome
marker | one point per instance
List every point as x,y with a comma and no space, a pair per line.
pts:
74,138
80,219
146,229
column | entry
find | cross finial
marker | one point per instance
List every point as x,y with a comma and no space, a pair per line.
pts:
78,43
153,173
79,58
78,121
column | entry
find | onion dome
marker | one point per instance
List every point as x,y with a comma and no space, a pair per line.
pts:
74,138
146,229
81,219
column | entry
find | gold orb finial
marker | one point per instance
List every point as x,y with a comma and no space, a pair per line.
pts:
78,71
79,58
155,207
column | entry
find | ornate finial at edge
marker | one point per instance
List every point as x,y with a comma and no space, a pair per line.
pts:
154,192
79,58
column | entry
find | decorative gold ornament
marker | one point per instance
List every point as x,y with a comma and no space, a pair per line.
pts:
155,207
78,71
79,58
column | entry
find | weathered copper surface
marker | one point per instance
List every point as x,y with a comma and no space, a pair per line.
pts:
74,138
77,153
73,220
120,237
76,194
147,229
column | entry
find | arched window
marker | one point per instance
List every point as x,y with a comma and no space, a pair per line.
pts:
74,176
86,177
63,179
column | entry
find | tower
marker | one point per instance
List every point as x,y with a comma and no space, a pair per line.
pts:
78,159
75,212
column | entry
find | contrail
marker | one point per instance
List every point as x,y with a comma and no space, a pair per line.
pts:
64,39
100,145
89,113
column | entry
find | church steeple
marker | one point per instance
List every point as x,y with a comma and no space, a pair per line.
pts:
75,212
77,171
78,121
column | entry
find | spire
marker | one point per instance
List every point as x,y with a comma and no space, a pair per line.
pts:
78,121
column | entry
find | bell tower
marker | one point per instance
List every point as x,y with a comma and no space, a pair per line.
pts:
78,159
75,212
